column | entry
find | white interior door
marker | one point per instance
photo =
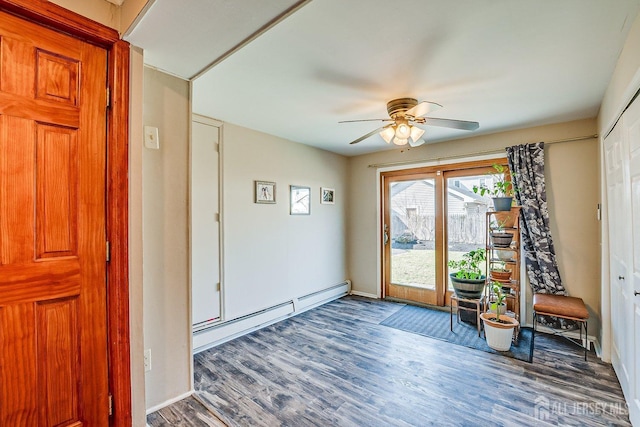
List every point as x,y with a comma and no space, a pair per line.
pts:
618,206
632,126
622,173
205,224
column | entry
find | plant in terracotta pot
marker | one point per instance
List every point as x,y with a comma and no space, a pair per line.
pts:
498,328
502,190
500,272
507,218
468,280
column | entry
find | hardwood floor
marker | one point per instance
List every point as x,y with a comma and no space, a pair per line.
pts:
187,412
336,366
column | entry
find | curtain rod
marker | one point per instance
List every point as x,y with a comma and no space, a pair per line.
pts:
477,153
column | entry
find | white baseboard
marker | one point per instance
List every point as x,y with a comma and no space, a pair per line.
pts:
235,328
364,294
169,402
598,348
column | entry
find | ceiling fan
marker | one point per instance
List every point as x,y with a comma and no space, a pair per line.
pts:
404,113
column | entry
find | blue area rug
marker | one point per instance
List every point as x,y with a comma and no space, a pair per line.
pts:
435,324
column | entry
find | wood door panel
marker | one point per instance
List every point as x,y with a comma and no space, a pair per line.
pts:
57,78
17,183
58,357
18,371
17,67
56,187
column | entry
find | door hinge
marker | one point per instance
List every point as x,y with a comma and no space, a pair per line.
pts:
218,286
110,404
108,251
108,97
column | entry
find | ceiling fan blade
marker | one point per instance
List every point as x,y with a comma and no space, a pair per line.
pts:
416,143
363,137
366,120
423,108
454,124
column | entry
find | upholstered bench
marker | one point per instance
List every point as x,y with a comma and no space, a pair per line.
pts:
571,308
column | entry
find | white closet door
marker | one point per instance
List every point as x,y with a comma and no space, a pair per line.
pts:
622,173
205,230
618,209
632,126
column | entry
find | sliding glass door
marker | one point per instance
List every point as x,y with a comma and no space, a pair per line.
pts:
430,215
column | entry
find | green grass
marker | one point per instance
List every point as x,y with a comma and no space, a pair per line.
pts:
417,268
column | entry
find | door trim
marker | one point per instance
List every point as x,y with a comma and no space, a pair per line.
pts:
47,14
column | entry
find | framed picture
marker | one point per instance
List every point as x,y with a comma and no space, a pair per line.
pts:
265,192
300,200
327,196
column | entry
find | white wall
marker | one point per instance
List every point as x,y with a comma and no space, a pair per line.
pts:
271,256
571,171
624,82
167,329
117,17
99,10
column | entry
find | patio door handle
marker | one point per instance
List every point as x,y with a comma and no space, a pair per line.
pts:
386,234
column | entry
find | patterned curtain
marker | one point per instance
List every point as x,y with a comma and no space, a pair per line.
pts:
527,167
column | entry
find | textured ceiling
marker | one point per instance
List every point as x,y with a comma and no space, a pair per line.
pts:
504,63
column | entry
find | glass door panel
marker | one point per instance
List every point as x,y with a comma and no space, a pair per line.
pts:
411,229
466,226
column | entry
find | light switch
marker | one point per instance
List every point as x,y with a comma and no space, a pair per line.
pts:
151,139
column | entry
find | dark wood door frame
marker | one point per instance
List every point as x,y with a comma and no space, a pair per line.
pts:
50,15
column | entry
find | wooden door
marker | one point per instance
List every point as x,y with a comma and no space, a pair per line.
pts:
53,347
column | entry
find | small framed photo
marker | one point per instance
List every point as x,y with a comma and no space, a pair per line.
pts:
327,196
265,192
300,200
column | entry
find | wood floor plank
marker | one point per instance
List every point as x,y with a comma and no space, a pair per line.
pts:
187,412
336,365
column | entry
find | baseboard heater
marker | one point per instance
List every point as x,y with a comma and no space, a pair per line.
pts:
230,329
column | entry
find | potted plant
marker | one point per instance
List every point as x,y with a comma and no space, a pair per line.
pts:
507,218
468,281
498,328
499,271
502,190
499,237
497,304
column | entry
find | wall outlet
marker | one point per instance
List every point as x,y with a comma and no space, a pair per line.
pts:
147,360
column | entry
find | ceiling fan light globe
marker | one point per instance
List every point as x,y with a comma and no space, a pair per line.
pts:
400,141
416,143
388,134
403,131
416,133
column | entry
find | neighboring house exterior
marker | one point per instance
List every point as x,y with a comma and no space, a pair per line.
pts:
413,211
